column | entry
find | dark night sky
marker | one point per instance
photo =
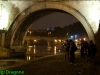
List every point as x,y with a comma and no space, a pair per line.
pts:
52,20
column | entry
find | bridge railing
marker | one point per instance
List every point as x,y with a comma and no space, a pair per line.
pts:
45,38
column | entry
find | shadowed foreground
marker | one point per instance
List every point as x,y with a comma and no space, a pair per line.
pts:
56,65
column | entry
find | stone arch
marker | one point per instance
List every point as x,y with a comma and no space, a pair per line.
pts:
38,7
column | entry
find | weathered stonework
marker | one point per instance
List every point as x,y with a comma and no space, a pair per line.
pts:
82,10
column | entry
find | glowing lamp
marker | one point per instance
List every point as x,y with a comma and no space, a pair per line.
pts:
35,40
55,40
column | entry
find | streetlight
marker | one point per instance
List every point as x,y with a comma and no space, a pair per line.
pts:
35,40
30,32
59,40
84,39
67,35
75,36
72,37
49,33
55,41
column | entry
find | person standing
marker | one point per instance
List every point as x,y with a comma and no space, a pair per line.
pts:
72,50
92,49
86,48
67,49
82,48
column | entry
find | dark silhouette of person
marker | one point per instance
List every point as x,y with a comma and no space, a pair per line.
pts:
72,49
89,51
92,50
82,48
67,49
86,48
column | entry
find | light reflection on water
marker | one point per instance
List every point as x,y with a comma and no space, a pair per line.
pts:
39,51
33,52
55,50
28,57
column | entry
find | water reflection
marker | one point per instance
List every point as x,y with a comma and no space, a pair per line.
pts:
55,50
39,51
29,50
34,52
59,50
34,45
28,57
48,48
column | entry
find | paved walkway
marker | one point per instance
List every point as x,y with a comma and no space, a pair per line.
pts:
56,65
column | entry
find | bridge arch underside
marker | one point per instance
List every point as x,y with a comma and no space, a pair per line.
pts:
23,25
26,24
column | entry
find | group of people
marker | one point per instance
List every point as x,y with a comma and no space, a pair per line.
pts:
88,49
70,50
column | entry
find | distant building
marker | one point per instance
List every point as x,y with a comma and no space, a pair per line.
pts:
39,30
50,29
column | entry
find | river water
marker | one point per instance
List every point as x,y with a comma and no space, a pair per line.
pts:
32,53
39,51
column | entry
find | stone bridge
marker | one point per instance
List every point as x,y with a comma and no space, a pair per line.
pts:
55,40
23,14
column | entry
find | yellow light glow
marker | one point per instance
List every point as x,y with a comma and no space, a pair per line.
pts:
34,50
55,50
55,40
29,57
48,48
35,40
49,32
30,32
34,45
30,46
59,40
59,50
76,40
84,39
29,49
3,19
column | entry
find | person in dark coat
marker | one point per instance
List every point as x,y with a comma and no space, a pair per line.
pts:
67,49
82,48
86,48
89,51
92,49
73,48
